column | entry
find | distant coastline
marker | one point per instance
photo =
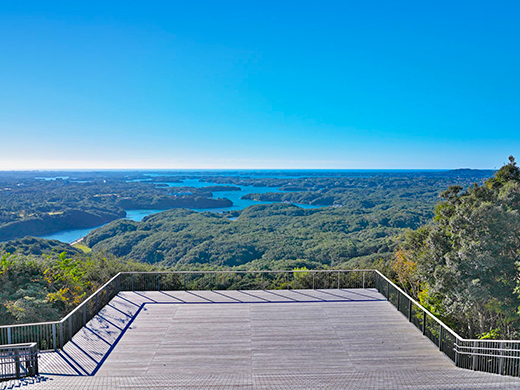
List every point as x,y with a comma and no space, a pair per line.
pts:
109,195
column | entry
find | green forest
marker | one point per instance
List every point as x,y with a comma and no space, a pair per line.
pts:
38,205
464,265
458,254
30,206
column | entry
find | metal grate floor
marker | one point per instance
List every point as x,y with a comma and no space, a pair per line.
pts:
296,339
385,380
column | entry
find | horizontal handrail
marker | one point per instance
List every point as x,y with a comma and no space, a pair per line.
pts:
487,348
14,346
490,355
493,341
249,272
30,324
420,306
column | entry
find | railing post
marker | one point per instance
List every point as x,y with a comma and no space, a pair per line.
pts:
474,356
440,337
338,279
97,304
29,361
17,363
158,282
70,328
387,290
456,349
35,360
84,314
287,280
9,336
410,307
62,324
363,279
398,300
501,361
313,273
424,319
54,336
31,369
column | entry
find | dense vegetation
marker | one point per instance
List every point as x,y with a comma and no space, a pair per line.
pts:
39,287
369,213
37,246
464,265
264,233
30,206
409,190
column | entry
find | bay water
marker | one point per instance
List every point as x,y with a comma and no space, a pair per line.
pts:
73,235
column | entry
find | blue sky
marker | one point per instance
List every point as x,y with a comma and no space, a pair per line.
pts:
259,84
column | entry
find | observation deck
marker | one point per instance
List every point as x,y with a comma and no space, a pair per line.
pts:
333,338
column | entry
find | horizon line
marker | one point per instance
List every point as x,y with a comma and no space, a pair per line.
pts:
238,169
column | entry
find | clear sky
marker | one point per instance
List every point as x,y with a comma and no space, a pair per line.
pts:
259,84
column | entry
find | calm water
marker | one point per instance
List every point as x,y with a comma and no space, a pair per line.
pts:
138,215
234,196
51,178
69,236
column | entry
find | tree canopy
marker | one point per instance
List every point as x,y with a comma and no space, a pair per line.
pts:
466,261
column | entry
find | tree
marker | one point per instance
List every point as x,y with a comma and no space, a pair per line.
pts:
467,259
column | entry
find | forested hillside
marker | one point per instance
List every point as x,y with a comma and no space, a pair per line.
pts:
417,190
30,206
45,287
265,233
465,264
369,211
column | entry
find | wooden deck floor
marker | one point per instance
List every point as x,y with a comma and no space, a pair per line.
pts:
281,339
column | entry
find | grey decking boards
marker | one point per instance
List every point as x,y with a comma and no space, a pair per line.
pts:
278,339
246,339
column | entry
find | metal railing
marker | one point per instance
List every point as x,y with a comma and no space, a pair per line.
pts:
18,361
54,335
496,356
246,280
